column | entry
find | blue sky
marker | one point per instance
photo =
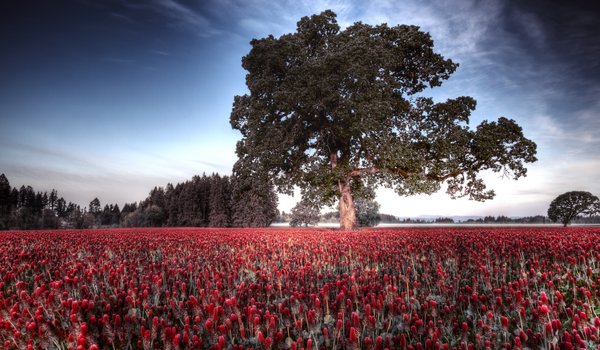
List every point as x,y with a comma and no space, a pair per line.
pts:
111,98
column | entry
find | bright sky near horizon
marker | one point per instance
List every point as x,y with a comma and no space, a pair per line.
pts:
110,98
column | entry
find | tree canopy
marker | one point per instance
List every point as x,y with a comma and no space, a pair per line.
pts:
304,213
367,212
336,112
570,205
253,200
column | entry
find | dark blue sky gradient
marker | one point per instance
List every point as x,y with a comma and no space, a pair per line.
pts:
110,98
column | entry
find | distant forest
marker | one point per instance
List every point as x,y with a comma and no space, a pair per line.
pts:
215,201
203,201
537,219
332,217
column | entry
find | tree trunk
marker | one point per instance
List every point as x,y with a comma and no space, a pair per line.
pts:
347,211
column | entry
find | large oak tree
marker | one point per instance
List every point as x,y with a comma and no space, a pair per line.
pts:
337,112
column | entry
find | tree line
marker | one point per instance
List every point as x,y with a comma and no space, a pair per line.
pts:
215,201
306,213
537,219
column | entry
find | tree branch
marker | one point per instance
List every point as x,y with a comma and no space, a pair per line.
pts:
357,172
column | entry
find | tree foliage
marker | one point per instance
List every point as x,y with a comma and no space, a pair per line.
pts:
304,213
220,202
95,208
367,212
336,112
5,201
205,201
254,201
570,205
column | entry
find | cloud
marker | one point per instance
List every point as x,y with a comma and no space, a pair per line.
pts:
180,15
174,13
111,179
125,174
556,176
79,188
114,178
575,135
458,28
17,154
548,129
160,53
531,27
122,17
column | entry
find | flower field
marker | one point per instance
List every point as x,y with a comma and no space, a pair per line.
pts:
417,288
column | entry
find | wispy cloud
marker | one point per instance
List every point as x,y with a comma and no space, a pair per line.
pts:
181,15
575,134
81,188
17,154
531,26
249,19
160,53
122,17
174,13
555,176
457,28
120,177
548,128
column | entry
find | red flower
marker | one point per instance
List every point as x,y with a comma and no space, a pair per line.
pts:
504,322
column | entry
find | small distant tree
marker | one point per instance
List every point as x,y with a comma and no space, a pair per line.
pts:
52,199
154,216
304,213
282,216
105,216
570,205
26,197
116,215
137,218
41,202
367,212
78,218
128,208
156,197
61,207
95,208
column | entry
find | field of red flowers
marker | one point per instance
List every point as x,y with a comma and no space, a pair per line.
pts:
464,288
